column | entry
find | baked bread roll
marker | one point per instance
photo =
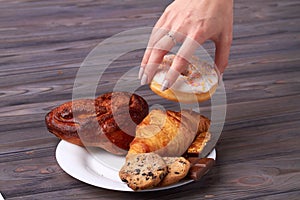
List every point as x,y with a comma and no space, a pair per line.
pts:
168,133
197,84
108,122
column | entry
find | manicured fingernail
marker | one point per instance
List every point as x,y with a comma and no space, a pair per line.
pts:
141,72
165,85
144,79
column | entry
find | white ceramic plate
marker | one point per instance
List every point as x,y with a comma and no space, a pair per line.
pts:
98,167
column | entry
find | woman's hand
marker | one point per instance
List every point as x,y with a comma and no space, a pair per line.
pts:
190,22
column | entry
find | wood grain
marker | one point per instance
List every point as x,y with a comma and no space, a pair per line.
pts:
43,44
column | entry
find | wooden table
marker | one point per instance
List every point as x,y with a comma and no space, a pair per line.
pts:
43,43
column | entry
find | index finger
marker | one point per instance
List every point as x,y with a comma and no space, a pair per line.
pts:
181,60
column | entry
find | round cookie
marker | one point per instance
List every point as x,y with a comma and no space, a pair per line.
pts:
178,168
143,171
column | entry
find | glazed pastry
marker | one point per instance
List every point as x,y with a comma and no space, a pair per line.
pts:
197,84
168,133
108,122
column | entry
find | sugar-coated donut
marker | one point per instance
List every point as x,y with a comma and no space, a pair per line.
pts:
197,84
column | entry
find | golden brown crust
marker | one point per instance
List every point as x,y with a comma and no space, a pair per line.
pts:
184,97
61,122
168,133
103,122
198,144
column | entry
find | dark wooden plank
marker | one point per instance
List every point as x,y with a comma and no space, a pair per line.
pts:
94,193
256,178
33,176
43,43
241,148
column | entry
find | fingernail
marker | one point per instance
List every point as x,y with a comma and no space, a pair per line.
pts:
165,85
141,72
144,79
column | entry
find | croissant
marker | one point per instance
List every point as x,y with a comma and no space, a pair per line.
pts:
102,122
168,133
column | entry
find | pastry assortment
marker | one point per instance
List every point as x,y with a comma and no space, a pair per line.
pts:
169,136
161,147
